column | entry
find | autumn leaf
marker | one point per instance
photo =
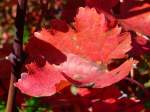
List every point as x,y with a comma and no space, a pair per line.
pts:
40,81
106,5
84,73
140,46
91,34
79,55
136,16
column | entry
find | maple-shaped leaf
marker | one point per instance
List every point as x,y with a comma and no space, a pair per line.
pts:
40,81
84,73
91,39
81,55
136,16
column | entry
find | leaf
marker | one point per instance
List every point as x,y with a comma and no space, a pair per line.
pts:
94,22
91,34
79,68
80,54
102,94
37,48
39,81
106,5
136,16
115,75
119,46
84,73
114,105
140,45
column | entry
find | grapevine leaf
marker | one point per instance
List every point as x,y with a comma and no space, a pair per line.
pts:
91,34
80,55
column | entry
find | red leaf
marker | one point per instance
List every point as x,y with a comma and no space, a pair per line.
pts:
115,75
79,68
94,22
101,94
36,48
124,104
90,39
106,5
136,16
141,45
40,81
85,73
117,49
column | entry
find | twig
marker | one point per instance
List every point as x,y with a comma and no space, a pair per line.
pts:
138,84
16,56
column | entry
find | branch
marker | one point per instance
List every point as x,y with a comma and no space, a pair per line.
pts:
138,84
16,56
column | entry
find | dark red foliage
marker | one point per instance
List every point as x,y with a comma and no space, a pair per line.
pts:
134,14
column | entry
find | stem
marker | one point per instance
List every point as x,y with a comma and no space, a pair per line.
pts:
138,84
10,107
16,57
